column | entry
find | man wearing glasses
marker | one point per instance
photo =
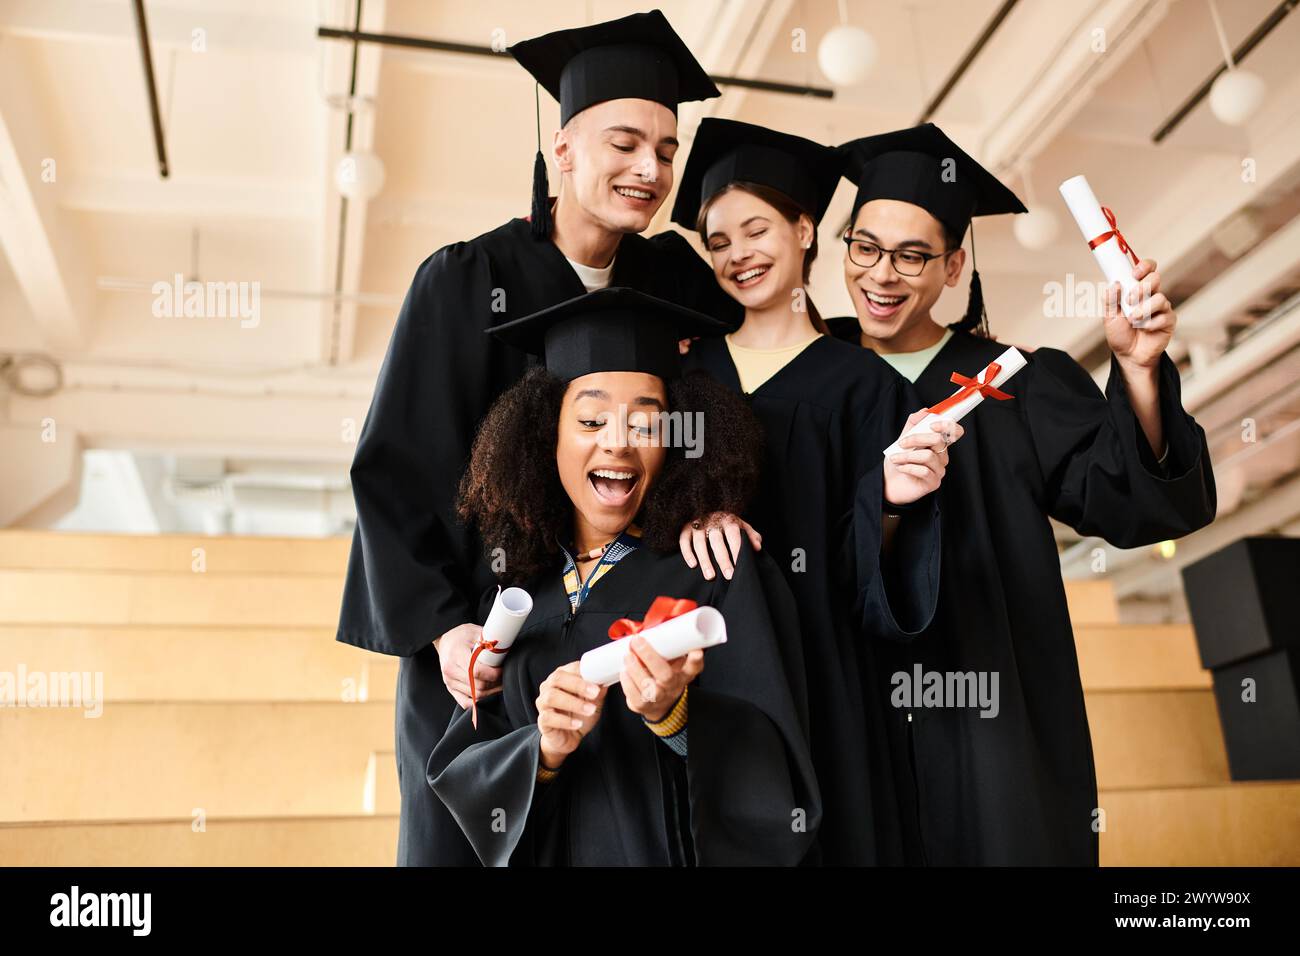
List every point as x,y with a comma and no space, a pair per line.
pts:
1015,784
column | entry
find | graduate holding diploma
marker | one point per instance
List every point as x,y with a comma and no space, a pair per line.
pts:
856,534
415,572
581,478
1129,465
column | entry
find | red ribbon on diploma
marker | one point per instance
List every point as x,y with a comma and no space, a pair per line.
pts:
479,648
661,609
969,386
1124,247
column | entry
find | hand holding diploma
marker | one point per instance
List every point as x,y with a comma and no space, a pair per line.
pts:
916,463
454,651
509,611
651,683
1139,345
568,707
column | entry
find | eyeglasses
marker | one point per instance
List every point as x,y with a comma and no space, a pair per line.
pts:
906,262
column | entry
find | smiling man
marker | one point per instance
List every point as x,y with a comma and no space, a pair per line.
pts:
414,575
1130,466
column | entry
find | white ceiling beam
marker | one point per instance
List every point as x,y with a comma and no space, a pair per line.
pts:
1243,283
1058,70
46,253
344,265
90,20
738,42
307,428
189,198
739,46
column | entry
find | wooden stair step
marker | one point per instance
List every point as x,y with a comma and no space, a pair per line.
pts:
66,551
204,663
167,760
1238,824
1162,738
1139,657
273,841
156,599
1091,601
382,795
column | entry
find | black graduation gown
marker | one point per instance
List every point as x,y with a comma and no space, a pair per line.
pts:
1020,788
828,416
414,572
745,794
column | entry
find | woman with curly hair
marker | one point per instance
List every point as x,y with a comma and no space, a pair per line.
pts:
579,482
855,533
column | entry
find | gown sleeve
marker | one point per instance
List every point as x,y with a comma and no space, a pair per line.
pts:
408,576
754,797
487,779
1100,474
897,595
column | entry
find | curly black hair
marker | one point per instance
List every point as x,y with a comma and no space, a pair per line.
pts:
511,491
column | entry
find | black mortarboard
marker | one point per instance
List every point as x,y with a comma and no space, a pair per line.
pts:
924,167
727,151
609,330
636,57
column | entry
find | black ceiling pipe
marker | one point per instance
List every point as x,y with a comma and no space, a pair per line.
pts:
469,49
955,77
146,57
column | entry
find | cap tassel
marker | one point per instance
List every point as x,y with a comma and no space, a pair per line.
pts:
540,217
976,319
541,213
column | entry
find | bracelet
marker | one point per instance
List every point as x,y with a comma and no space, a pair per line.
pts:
545,774
673,722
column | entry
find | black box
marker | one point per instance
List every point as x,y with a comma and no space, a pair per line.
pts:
1245,607
1262,735
1245,599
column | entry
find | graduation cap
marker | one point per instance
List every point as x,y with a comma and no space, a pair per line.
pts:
610,330
636,57
924,167
727,151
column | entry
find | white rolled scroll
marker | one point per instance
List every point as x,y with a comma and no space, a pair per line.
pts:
701,628
954,409
1115,264
509,611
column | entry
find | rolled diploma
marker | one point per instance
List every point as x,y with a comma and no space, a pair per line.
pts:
509,611
701,628
1115,265
1011,362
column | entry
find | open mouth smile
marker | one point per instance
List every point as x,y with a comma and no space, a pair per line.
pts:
613,486
750,277
635,196
882,306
